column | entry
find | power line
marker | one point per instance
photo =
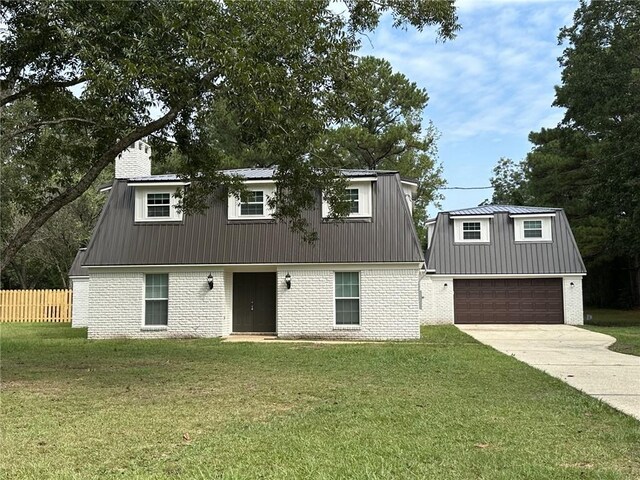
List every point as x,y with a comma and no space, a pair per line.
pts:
464,188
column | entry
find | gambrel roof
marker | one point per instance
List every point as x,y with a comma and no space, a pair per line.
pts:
503,255
211,238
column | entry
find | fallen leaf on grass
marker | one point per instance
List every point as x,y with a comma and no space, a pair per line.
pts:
481,445
186,437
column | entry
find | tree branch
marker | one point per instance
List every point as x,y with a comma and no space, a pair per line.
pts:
41,216
12,97
35,126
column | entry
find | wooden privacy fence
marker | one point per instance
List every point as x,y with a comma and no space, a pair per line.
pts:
35,306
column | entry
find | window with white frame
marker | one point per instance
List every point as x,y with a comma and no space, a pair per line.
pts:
354,200
532,228
156,299
359,195
471,230
158,205
347,298
252,204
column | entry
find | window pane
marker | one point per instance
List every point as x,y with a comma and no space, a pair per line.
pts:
347,284
158,198
252,209
253,203
157,286
157,211
537,224
471,235
347,312
352,196
471,226
533,234
155,312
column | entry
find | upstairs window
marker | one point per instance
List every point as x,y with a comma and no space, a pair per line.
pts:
533,229
359,195
353,198
158,205
471,231
253,204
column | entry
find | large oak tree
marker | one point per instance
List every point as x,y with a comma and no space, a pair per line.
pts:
102,75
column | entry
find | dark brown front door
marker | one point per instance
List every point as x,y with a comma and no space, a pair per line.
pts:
531,300
254,302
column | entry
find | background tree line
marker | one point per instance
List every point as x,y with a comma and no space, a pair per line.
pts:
212,85
590,163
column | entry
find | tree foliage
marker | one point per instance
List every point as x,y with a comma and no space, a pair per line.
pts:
101,75
589,163
382,129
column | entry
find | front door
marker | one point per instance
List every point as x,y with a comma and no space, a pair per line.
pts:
254,302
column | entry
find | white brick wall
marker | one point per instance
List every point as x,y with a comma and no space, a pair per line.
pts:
572,296
116,306
135,161
388,304
437,300
80,302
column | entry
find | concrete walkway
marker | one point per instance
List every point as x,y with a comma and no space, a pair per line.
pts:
576,356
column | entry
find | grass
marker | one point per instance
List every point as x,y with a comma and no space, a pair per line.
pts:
624,325
446,407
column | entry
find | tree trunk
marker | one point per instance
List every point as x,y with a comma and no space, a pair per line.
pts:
40,217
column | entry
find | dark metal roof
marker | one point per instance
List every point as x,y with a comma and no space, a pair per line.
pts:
510,209
211,238
503,255
77,270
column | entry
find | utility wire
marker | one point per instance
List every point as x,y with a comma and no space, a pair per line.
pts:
464,188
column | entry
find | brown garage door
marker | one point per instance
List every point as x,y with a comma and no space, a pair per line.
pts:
508,301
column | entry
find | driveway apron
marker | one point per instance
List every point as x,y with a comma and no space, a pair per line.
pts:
576,356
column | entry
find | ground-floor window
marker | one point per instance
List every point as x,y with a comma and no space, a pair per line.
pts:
347,297
156,299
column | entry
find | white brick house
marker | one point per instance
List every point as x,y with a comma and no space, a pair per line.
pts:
151,272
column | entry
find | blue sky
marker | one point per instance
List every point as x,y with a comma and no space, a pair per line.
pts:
488,88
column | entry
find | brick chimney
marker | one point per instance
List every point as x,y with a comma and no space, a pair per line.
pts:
135,161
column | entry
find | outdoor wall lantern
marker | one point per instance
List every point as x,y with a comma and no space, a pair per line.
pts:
287,280
572,284
210,281
446,284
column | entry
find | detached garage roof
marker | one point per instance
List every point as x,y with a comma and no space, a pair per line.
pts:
503,255
211,238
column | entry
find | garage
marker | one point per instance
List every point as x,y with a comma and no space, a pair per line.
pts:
534,301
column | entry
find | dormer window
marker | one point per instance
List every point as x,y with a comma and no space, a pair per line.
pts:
359,195
471,229
158,205
533,228
353,197
253,204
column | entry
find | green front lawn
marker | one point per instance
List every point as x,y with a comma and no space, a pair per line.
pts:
445,408
624,325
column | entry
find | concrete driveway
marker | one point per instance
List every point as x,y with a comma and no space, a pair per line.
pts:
576,356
